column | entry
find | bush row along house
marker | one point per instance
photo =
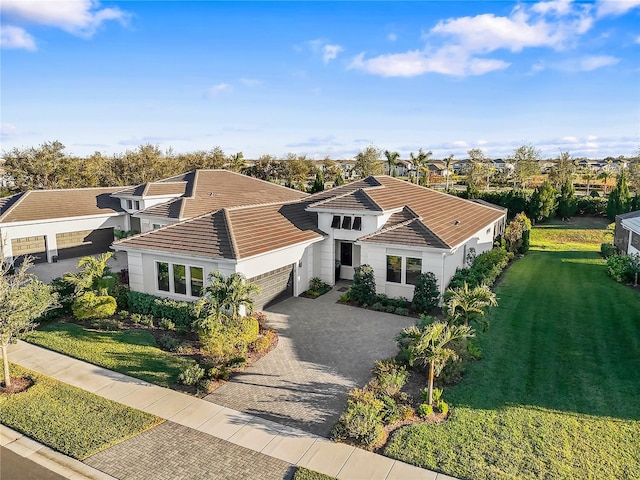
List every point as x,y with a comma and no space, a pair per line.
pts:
207,220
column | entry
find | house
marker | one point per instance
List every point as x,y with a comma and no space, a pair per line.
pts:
398,228
52,224
627,232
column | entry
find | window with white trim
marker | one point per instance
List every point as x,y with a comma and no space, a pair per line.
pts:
403,270
179,279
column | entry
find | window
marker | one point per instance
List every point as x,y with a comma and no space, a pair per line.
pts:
136,205
335,223
156,226
196,281
346,223
394,268
163,276
180,279
414,269
346,254
130,204
357,223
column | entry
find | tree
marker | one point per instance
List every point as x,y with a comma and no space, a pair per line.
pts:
420,161
236,162
477,172
23,298
465,305
430,347
517,233
526,164
392,161
563,170
605,175
332,171
587,174
543,202
619,198
36,168
368,162
447,162
426,295
225,293
634,173
318,183
363,288
92,284
567,203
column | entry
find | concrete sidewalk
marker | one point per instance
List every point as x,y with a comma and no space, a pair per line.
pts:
278,441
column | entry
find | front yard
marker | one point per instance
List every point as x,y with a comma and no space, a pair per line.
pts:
556,394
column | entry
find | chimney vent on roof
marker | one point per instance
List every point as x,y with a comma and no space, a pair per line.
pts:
456,223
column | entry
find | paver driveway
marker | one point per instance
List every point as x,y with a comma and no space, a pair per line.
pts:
325,349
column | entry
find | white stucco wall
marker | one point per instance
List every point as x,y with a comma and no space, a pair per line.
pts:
49,228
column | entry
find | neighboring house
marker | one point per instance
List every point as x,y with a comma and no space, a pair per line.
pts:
51,224
404,168
627,232
503,166
400,229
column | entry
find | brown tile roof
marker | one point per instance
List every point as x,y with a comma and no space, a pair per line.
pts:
424,218
206,236
451,219
50,204
211,190
357,200
165,188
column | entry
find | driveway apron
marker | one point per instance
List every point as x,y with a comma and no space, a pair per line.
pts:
325,349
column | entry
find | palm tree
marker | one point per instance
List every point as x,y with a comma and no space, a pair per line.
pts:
236,162
588,175
605,175
420,161
468,305
429,346
392,161
447,162
94,274
228,293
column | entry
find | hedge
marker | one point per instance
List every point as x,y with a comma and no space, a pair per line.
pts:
485,269
181,313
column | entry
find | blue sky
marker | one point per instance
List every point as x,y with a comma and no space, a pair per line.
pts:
323,78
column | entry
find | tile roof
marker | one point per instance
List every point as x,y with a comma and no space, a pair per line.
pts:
423,218
633,214
51,204
210,190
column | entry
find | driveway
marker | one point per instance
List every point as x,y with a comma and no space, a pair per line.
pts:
325,350
48,271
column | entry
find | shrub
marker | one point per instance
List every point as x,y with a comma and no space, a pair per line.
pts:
363,288
222,340
426,294
593,205
107,324
390,309
424,410
146,320
474,351
345,297
391,376
123,314
236,363
378,307
485,269
362,423
191,375
66,296
261,318
206,385
623,268
181,313
169,343
262,344
443,407
406,412
401,311
317,285
121,293
166,324
89,305
390,411
608,249
221,372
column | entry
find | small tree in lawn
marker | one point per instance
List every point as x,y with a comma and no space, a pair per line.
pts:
430,346
467,305
567,204
426,295
92,284
363,288
23,298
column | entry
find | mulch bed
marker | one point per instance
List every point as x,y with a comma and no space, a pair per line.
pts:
19,384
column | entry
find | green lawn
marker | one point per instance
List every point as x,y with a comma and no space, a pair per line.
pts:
557,394
68,419
132,352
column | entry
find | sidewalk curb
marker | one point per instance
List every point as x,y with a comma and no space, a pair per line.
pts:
44,456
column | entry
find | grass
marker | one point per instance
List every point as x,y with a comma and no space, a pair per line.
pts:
306,474
132,352
579,234
68,419
556,395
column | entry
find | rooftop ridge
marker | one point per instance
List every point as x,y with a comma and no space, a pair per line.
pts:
230,234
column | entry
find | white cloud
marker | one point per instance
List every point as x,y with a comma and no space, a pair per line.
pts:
330,52
217,90
16,38
615,7
392,37
594,62
8,130
79,17
250,82
459,46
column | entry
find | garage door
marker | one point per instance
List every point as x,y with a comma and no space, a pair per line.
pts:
275,286
32,246
83,242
